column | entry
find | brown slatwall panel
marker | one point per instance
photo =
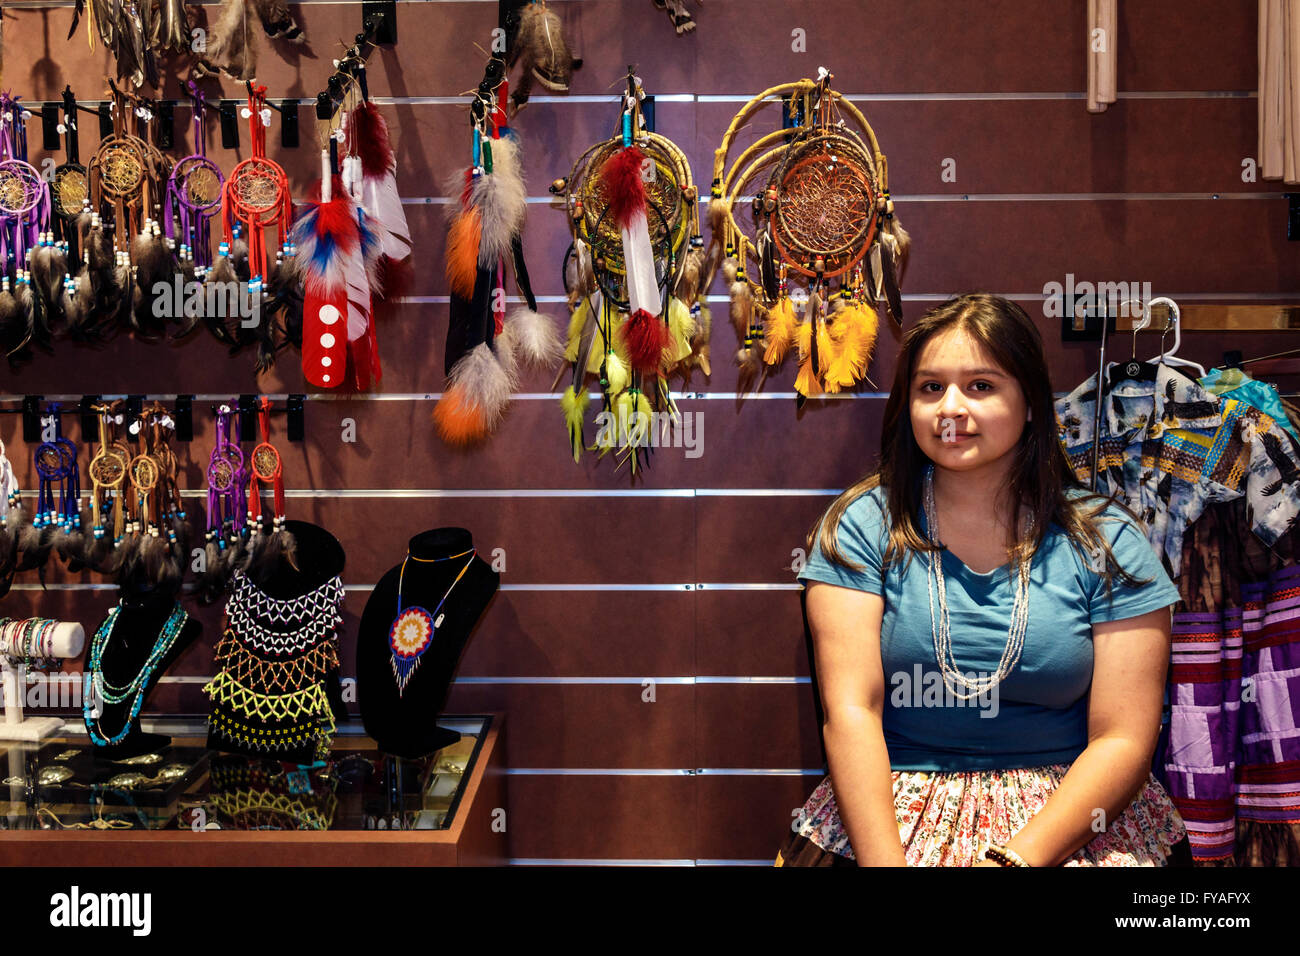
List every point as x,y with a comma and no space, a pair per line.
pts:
1049,146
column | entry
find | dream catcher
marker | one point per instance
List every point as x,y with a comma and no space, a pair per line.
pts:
227,476
634,275
194,195
70,187
484,347
256,195
24,215
152,548
267,549
108,473
119,176
823,232
56,524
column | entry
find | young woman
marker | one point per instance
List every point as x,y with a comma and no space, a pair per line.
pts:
990,639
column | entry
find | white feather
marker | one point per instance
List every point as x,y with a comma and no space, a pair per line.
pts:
506,346
537,340
485,381
381,200
358,283
502,200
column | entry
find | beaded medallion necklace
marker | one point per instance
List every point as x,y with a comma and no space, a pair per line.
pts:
414,628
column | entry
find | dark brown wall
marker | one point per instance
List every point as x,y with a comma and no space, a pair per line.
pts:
603,590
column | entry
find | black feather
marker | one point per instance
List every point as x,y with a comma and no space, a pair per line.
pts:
893,295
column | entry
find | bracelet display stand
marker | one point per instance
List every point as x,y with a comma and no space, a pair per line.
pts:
69,640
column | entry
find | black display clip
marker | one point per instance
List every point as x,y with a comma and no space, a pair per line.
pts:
89,419
229,125
297,424
50,138
32,419
248,417
378,22
289,124
165,111
183,416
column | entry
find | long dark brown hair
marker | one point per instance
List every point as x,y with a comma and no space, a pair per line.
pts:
1040,476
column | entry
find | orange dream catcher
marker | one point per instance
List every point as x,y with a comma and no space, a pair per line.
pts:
821,238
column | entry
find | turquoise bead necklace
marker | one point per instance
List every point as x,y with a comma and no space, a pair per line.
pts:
94,679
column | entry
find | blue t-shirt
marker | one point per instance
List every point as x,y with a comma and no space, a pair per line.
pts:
1038,714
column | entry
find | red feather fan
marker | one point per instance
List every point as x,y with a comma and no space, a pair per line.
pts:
327,237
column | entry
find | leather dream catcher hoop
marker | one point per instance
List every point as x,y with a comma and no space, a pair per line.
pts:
633,275
194,191
256,194
108,472
822,227
118,173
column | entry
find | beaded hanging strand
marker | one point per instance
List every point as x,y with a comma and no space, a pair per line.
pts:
414,628
96,688
952,673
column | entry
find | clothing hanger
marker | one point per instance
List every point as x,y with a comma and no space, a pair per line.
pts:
1133,370
1136,371
1175,319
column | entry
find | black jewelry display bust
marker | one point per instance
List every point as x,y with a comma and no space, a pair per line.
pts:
320,558
405,724
136,632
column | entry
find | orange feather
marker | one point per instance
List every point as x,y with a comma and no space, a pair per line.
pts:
462,251
460,420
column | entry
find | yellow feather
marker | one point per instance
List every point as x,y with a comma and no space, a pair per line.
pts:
639,427
806,383
616,373
577,322
597,350
681,327
803,339
574,405
855,329
779,333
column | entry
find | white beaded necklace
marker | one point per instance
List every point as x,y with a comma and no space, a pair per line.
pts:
952,674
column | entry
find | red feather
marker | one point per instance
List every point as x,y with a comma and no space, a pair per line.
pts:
469,185
621,177
372,140
646,337
395,279
338,219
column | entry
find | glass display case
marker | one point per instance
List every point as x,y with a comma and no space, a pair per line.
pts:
60,784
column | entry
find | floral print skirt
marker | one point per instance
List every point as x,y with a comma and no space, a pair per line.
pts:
947,819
